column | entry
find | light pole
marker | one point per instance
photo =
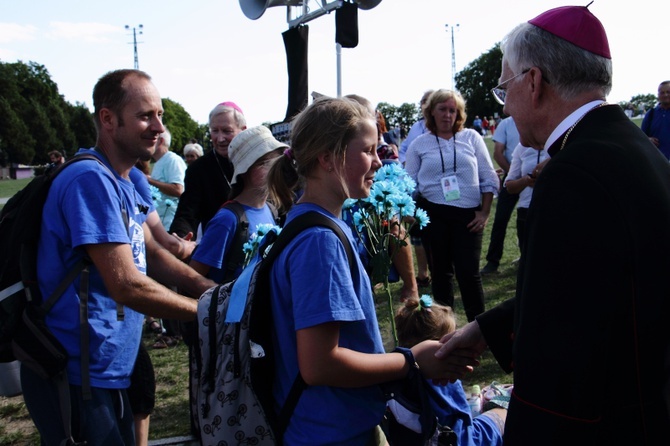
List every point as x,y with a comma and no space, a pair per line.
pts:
136,31
453,55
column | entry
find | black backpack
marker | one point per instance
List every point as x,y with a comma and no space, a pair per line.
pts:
23,331
233,359
235,255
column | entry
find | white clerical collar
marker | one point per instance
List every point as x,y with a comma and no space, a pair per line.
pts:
570,120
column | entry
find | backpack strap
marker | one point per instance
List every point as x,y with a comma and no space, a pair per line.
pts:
83,267
235,256
213,305
270,253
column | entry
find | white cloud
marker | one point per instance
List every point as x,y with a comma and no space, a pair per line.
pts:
90,32
13,32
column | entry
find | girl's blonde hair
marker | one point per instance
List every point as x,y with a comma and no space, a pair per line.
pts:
422,319
325,126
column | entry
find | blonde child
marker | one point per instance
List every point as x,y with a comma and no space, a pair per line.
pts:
421,319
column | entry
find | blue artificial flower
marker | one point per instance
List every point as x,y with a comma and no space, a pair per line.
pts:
265,228
359,220
404,204
421,218
349,203
169,202
426,301
155,194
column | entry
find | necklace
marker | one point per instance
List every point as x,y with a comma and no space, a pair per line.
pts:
565,138
223,173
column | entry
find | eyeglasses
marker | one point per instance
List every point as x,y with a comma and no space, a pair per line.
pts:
500,93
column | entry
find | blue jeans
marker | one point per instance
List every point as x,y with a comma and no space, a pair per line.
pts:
104,420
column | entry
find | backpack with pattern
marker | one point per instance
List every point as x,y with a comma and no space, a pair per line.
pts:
231,399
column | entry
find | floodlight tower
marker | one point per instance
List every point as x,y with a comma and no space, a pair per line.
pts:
136,31
453,55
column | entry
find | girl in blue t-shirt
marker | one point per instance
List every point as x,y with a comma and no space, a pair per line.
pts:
324,314
252,152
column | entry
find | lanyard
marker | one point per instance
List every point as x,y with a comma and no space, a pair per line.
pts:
440,149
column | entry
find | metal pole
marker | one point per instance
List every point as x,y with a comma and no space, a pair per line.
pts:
136,58
453,57
338,50
137,62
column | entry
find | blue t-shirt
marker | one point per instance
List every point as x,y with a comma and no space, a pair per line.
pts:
84,206
219,235
657,124
311,285
141,183
478,431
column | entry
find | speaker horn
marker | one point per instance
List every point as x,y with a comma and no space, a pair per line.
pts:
253,9
367,4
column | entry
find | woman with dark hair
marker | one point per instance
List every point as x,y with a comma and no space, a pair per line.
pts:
456,183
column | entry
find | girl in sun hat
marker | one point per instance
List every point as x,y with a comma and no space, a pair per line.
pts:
252,152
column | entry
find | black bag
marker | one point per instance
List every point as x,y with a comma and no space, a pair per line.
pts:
24,334
410,419
20,222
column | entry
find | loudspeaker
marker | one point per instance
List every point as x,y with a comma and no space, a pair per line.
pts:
253,9
367,4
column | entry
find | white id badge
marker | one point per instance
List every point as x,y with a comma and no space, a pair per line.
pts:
450,188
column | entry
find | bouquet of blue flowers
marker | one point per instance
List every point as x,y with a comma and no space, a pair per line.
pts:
383,221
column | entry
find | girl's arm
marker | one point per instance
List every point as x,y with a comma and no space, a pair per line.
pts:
323,362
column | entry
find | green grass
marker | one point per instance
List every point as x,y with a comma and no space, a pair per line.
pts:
10,187
171,414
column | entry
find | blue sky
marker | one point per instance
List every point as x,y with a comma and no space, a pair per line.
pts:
203,52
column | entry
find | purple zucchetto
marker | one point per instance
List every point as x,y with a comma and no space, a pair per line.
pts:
577,25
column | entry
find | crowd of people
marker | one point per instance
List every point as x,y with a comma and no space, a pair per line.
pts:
584,336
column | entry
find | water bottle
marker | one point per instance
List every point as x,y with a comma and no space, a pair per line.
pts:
475,400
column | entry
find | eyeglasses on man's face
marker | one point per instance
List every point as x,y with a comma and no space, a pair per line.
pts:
500,91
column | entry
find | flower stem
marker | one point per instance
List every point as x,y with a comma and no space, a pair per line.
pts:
387,288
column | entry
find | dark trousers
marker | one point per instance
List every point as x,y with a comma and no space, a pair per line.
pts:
451,250
521,214
504,209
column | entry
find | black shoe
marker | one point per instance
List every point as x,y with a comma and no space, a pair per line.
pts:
490,268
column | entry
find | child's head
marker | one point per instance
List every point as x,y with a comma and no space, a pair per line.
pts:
325,127
422,319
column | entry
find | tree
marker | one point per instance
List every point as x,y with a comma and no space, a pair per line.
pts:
82,124
475,83
641,102
181,125
36,118
403,116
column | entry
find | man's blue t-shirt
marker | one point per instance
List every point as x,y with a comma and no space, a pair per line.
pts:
84,207
312,284
656,123
219,235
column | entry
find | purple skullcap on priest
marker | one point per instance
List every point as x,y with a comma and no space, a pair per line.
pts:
232,105
577,25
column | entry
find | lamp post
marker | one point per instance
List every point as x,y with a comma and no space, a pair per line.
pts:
453,55
136,31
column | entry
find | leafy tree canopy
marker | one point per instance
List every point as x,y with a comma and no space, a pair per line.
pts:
36,118
476,81
182,127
